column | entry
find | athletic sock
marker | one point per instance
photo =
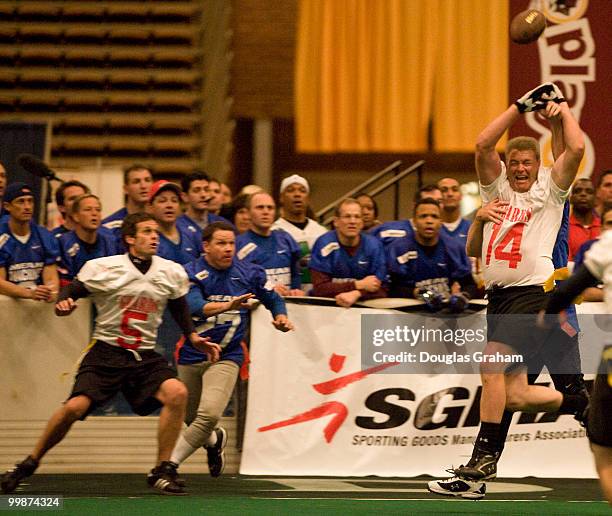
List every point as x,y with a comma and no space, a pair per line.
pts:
488,439
182,450
504,428
573,404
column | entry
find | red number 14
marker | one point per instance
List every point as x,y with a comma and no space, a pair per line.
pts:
513,237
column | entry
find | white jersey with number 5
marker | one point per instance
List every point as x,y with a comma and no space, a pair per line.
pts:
598,260
130,304
518,252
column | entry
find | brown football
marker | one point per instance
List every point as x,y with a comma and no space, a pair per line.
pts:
527,26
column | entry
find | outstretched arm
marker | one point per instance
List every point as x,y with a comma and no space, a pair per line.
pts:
566,165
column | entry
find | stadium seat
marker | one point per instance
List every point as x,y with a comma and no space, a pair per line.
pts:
45,34
131,36
40,80
44,11
85,35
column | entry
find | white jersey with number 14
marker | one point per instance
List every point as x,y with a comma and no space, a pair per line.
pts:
518,252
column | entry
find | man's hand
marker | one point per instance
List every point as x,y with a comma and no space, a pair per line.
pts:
203,344
281,290
348,299
239,302
538,98
493,211
369,284
65,307
552,112
547,321
281,323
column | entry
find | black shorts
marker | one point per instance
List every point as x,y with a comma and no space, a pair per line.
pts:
512,320
599,425
107,370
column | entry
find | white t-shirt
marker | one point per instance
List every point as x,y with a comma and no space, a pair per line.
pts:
519,251
130,304
598,259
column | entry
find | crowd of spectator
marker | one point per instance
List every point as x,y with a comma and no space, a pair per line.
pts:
358,258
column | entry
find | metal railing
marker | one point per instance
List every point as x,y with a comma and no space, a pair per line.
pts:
324,213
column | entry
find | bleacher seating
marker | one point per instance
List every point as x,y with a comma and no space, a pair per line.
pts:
116,79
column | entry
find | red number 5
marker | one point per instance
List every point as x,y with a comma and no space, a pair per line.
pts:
131,332
513,237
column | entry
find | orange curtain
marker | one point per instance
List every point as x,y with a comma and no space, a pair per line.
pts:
372,74
471,79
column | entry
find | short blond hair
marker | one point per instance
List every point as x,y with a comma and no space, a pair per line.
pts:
523,143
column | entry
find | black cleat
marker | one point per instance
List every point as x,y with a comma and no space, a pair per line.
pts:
216,453
458,487
165,479
12,478
482,466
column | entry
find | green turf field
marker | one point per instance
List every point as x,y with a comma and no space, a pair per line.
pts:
129,494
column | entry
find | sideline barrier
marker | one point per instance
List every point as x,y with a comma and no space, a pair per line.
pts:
312,410
36,348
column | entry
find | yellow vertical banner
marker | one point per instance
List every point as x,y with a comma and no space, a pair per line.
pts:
372,74
471,79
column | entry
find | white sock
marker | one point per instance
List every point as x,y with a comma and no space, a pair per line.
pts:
182,450
212,439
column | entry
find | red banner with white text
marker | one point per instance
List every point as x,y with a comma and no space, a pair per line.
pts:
573,52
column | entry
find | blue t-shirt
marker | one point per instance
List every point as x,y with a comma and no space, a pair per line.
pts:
389,232
328,256
412,265
228,328
115,220
74,252
279,254
59,231
24,262
460,233
186,223
188,249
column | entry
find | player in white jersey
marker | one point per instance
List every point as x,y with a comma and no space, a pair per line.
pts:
597,268
517,260
130,293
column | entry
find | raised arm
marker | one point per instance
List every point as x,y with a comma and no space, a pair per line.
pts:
488,165
566,164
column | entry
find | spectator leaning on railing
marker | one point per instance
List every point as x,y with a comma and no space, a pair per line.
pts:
28,252
346,263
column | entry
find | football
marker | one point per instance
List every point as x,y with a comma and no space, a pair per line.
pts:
527,26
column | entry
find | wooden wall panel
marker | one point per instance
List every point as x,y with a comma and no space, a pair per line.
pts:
264,53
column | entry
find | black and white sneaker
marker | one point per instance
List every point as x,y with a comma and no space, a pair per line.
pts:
216,453
11,479
482,466
164,478
458,487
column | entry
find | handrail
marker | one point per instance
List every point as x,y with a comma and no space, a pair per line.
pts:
390,182
395,165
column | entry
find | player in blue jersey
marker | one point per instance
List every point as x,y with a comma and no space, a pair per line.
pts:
65,195
221,287
276,251
196,196
28,252
453,225
137,181
86,241
388,232
425,262
2,188
175,243
347,264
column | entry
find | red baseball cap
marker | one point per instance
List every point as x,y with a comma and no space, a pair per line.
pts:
161,185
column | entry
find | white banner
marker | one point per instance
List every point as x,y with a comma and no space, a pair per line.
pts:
312,410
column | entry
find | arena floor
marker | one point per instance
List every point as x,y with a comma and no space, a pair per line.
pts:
129,494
